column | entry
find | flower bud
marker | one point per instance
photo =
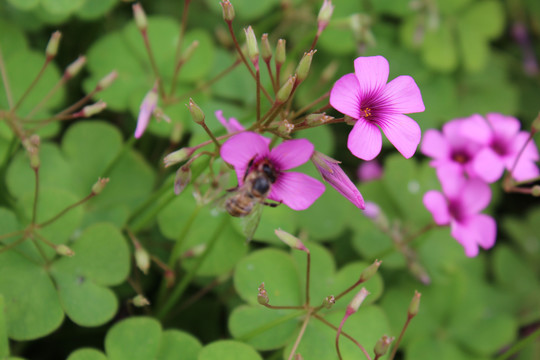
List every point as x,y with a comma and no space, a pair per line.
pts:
196,113
75,67
31,145
382,345
262,296
329,301
324,15
285,128
290,240
64,250
286,90
90,110
170,278
281,54
228,10
147,108
52,45
142,259
535,191
357,300
98,187
317,119
178,156
372,210
414,305
370,271
266,50
140,301
302,70
182,179
140,17
107,80
252,47
195,251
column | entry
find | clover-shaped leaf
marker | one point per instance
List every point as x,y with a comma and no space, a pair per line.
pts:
228,350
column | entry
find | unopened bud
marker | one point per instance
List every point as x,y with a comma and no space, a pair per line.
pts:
182,179
107,80
285,128
290,240
52,45
370,271
262,296
31,145
64,250
91,110
196,113
329,301
195,251
357,300
266,50
98,187
302,70
142,259
178,156
228,10
324,15
252,47
140,301
281,54
140,17
535,191
382,345
535,127
414,305
317,119
75,67
286,90
170,278
188,53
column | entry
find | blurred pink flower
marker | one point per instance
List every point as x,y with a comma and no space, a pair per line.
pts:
332,173
501,143
369,170
366,97
148,106
459,206
232,125
296,190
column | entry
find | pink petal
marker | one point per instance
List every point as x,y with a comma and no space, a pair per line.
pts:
506,126
372,74
365,140
403,132
486,228
530,152
525,170
435,145
240,149
437,205
403,96
296,190
487,165
290,154
466,237
142,121
477,129
345,96
221,118
475,196
451,178
232,125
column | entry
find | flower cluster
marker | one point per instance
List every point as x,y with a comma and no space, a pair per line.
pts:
468,154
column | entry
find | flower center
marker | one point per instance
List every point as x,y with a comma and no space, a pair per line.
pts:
461,157
456,211
499,147
365,112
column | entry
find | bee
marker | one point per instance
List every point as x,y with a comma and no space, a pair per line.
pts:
257,182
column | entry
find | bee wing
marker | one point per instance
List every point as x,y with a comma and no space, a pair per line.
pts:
251,221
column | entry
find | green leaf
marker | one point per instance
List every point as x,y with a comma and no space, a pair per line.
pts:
62,7
93,9
136,338
438,49
426,349
24,4
487,18
474,49
451,7
228,350
178,344
246,9
4,343
87,354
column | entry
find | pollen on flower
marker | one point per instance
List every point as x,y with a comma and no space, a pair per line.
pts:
366,112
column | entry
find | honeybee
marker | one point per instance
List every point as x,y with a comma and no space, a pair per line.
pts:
258,180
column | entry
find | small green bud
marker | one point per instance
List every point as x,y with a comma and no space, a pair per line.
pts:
262,296
302,70
285,128
178,156
382,345
281,54
228,10
324,15
142,259
98,187
414,305
107,80
535,191
266,49
195,251
370,271
140,301
252,46
140,17
31,145
286,90
290,240
75,67
329,301
182,179
357,300
64,250
318,119
90,110
196,113
52,45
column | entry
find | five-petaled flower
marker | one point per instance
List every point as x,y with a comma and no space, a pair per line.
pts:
372,103
296,190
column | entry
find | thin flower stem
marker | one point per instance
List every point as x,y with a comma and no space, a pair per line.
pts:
524,182
78,103
258,92
12,245
11,234
45,240
67,209
182,30
396,345
320,318
214,139
36,195
508,179
153,63
55,88
5,80
270,325
420,232
197,296
300,334
283,307
309,106
351,288
303,125
308,271
272,80
32,85
178,291
40,250
519,345
337,336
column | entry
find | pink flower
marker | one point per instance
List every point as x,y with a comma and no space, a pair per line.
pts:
459,206
332,173
296,190
451,147
232,125
147,108
501,143
366,97
369,170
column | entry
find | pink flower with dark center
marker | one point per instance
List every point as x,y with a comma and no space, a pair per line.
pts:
296,190
502,142
459,206
148,106
232,125
372,103
451,147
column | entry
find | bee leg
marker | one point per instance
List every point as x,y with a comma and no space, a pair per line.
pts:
248,168
232,189
272,204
